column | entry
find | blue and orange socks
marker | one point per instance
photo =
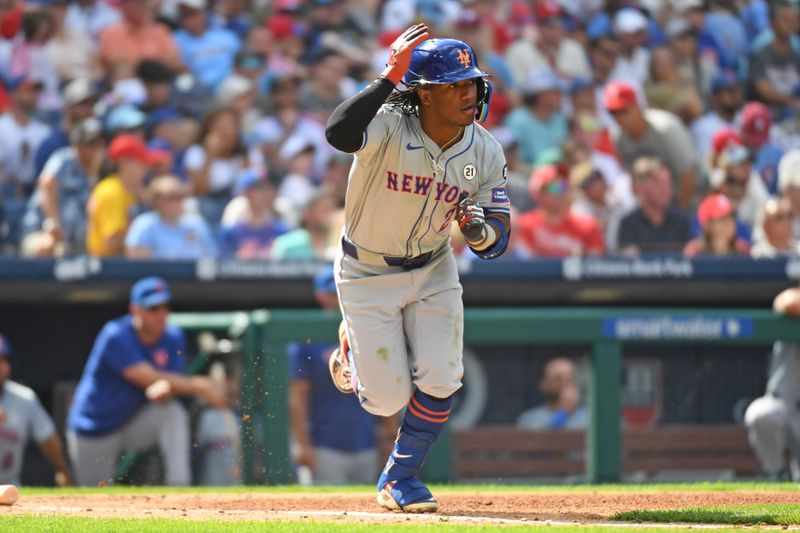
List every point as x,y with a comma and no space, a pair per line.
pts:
423,421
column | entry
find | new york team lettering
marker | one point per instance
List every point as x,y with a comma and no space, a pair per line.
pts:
421,185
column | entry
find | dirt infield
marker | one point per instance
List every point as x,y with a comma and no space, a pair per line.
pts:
499,508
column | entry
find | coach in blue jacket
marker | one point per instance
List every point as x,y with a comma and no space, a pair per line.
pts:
125,399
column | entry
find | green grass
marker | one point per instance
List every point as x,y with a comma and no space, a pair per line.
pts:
48,524
769,514
632,487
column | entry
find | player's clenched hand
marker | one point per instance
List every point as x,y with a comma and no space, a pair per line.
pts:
400,52
470,219
159,391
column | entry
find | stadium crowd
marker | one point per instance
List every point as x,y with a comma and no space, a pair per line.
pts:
178,129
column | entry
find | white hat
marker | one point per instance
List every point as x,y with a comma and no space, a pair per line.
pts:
676,26
682,6
294,145
629,20
233,87
194,4
78,90
789,170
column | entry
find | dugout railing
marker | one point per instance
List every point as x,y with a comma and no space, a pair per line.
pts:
265,334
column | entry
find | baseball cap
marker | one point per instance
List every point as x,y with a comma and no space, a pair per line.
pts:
233,87
584,174
682,6
580,84
541,80
194,4
150,292
734,154
713,207
629,20
294,145
545,177
160,151
722,137
548,12
789,170
676,27
756,119
129,146
5,347
85,131
724,80
24,80
79,90
324,281
125,117
249,178
618,96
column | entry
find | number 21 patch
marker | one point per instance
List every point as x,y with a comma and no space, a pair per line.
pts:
499,195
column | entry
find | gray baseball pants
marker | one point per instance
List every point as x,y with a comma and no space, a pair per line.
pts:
773,427
94,459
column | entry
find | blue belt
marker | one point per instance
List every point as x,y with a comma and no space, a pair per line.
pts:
408,263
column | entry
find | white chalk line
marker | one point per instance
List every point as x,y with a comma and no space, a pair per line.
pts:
425,517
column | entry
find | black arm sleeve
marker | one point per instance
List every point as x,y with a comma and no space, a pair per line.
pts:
349,121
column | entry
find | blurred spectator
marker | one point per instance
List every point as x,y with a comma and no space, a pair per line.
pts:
313,240
539,124
72,53
327,85
214,162
552,230
207,52
717,217
630,28
656,225
125,119
126,399
79,97
333,436
652,132
297,159
252,235
235,16
735,178
694,69
239,93
724,32
789,127
157,79
592,198
726,98
772,419
55,222
123,44
516,180
789,186
27,56
773,235
561,409
756,133
665,90
166,232
550,48
20,137
775,69
23,418
90,17
286,121
113,201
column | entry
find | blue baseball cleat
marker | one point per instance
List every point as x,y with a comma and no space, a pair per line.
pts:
407,495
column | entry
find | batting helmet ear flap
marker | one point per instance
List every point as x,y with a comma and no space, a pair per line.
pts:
484,95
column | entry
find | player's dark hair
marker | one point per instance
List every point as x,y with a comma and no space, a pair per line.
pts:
406,101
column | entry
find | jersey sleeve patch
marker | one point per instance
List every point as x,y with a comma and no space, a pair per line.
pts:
499,195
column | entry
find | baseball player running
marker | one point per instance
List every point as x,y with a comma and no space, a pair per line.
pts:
420,163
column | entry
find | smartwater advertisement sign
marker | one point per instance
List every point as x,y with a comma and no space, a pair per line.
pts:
677,327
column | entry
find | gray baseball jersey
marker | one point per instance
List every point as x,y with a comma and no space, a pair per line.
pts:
23,417
403,188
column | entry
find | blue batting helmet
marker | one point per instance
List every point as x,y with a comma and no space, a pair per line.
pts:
440,61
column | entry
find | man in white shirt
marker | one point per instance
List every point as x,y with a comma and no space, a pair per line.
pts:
726,97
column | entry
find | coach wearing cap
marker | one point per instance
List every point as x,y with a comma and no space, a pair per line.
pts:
125,399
